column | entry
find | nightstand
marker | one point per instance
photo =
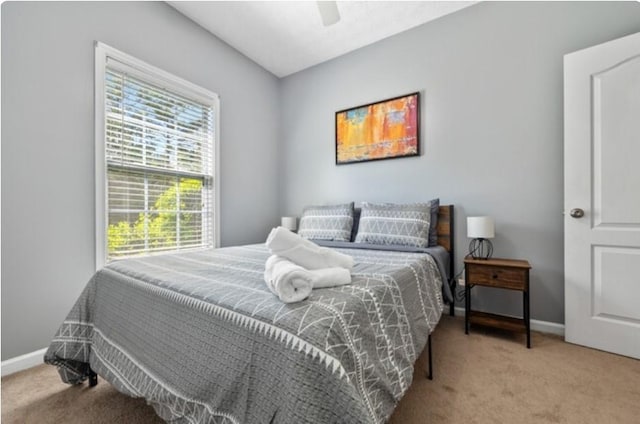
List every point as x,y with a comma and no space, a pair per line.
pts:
511,274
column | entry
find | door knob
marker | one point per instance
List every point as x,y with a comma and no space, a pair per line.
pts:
576,213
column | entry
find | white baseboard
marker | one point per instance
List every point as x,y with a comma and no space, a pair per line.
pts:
547,327
536,325
22,362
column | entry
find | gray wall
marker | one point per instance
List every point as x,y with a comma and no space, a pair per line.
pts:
490,78
48,231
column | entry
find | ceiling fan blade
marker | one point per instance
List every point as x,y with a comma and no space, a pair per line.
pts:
328,12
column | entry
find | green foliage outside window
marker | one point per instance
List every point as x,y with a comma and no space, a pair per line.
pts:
170,223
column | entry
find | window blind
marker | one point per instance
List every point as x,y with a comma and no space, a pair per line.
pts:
159,150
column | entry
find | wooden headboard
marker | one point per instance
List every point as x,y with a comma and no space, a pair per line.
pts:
446,237
445,227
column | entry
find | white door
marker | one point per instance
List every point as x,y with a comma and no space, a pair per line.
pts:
602,179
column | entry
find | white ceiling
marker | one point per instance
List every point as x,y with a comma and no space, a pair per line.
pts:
286,37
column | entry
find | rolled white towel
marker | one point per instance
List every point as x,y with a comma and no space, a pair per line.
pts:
290,282
305,253
330,277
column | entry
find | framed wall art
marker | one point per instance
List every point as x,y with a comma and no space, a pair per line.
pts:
383,130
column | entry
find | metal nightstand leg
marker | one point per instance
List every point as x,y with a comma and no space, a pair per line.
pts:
525,297
467,306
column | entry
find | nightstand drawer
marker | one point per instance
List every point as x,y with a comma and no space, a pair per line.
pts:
509,278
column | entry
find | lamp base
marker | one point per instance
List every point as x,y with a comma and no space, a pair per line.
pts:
480,248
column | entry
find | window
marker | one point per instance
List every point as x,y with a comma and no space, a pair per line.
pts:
155,162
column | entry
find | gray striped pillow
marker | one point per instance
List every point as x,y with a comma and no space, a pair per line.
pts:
330,222
391,224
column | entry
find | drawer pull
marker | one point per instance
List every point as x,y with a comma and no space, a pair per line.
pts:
495,276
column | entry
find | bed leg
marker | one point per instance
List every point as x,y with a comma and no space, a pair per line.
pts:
452,304
430,374
93,379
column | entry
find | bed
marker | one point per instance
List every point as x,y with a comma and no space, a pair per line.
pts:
202,339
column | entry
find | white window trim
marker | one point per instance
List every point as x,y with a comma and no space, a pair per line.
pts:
161,78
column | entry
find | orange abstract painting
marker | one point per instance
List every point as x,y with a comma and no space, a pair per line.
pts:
383,130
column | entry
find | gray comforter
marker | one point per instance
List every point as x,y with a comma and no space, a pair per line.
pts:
202,339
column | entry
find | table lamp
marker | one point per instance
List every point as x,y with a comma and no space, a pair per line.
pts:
290,223
480,229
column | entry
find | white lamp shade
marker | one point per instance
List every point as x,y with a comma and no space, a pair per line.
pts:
480,227
289,222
